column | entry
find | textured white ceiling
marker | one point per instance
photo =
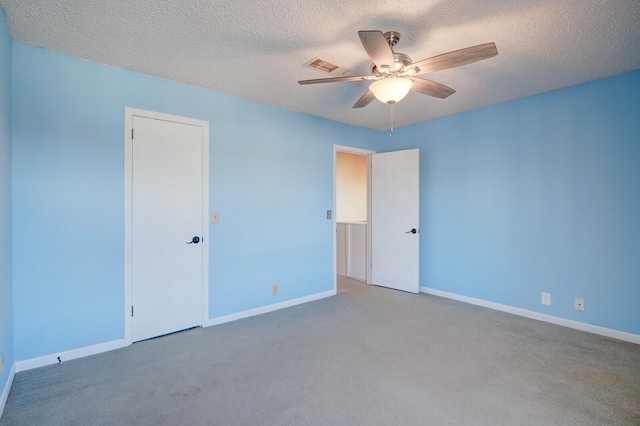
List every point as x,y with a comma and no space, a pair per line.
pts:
255,49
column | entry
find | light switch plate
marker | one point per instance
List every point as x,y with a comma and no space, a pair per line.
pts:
215,218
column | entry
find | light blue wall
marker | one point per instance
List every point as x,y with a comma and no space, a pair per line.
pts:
271,179
537,195
6,297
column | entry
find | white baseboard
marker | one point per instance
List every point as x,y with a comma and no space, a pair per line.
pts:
6,389
595,329
41,361
268,308
50,359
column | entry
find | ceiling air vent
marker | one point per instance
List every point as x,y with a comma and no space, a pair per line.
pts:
325,67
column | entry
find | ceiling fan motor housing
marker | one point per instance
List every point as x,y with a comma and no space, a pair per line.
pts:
401,60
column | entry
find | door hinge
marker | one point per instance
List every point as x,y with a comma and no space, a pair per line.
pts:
131,310
132,133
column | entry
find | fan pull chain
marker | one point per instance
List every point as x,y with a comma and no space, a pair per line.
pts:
391,119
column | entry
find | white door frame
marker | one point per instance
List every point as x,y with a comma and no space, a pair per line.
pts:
368,153
129,113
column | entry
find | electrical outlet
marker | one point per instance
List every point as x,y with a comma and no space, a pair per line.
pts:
215,218
579,304
546,298
274,290
329,214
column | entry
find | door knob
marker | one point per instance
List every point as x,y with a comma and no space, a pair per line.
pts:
413,231
194,240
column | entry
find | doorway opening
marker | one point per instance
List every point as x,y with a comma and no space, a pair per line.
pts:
352,213
383,247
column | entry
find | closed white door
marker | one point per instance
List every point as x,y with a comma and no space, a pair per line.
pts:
395,220
166,227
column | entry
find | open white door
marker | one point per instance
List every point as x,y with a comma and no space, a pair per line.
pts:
395,220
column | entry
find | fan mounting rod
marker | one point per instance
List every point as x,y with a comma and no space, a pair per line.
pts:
393,37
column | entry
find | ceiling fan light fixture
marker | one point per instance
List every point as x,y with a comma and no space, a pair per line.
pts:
391,89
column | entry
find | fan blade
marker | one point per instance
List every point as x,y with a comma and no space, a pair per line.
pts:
365,100
335,79
431,88
378,49
456,58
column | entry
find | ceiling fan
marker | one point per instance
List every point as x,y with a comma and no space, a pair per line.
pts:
394,74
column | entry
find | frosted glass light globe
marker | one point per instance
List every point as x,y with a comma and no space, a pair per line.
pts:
391,89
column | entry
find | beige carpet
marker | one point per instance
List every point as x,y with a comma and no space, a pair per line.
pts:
370,356
346,284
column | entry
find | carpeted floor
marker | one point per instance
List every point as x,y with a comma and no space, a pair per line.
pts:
370,356
346,284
